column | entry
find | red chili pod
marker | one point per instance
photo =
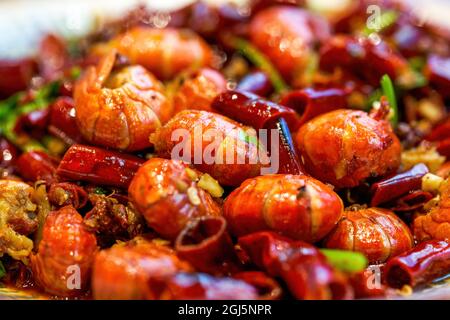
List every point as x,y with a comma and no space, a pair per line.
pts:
443,147
441,135
8,153
100,166
301,265
64,193
15,75
440,131
309,102
53,57
362,57
268,288
288,159
256,82
37,165
398,185
367,283
206,245
412,201
426,262
253,110
35,123
62,121
198,286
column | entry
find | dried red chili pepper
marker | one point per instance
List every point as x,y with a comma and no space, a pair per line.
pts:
34,123
256,82
367,283
253,110
104,167
309,102
62,121
15,75
268,288
8,153
427,261
52,57
198,286
441,135
362,57
37,165
302,267
206,245
412,201
398,185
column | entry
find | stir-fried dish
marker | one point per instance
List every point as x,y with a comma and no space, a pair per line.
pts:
266,151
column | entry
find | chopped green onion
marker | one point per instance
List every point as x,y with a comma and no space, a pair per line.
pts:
346,261
387,19
262,62
11,110
2,270
389,92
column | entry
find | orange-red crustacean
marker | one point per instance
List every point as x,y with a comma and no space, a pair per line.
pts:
123,271
65,254
166,193
345,147
119,108
286,35
219,146
377,233
164,52
296,206
435,224
198,89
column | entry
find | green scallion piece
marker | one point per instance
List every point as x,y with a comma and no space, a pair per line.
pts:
389,91
346,261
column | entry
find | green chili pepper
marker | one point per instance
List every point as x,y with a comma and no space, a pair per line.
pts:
262,62
389,92
346,261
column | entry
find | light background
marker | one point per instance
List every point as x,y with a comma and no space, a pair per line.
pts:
22,22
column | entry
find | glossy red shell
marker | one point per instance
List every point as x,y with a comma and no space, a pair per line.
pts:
296,206
377,233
